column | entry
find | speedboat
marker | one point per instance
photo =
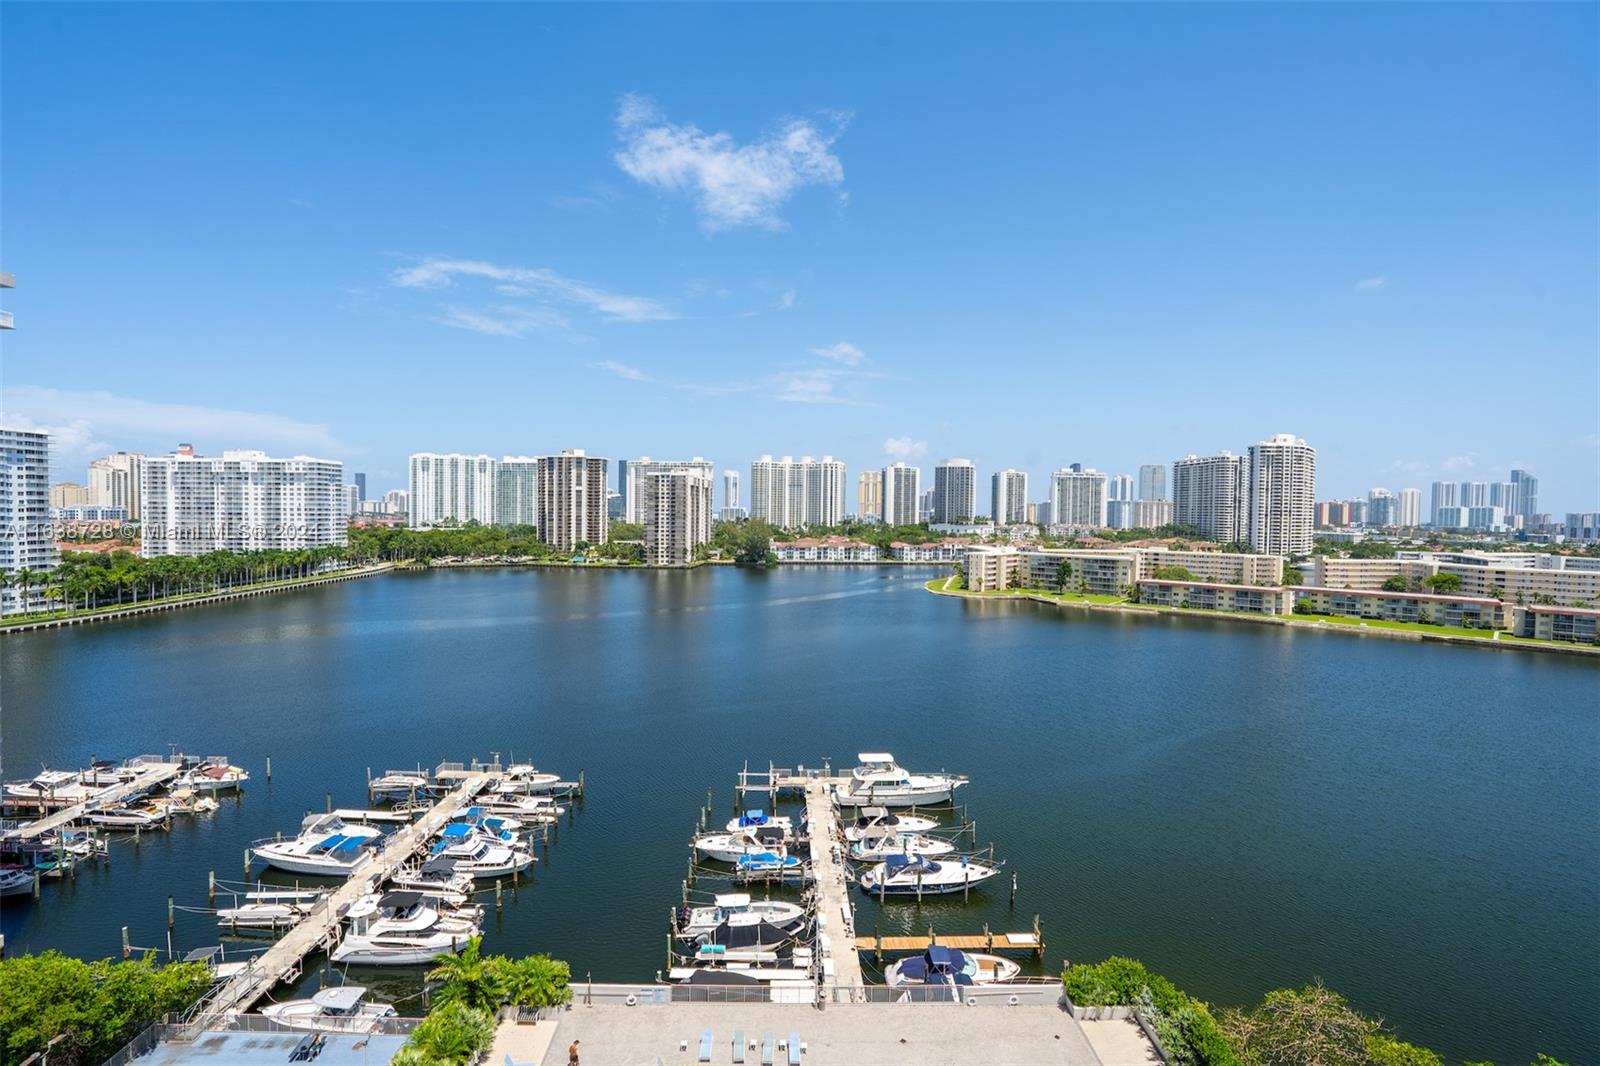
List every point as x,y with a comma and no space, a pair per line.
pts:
146,817
188,801
883,845
372,941
524,778
875,820
731,847
696,921
759,819
59,787
918,875
488,820
745,931
436,879
342,1009
522,808
399,785
479,855
881,782
215,774
947,966
764,864
15,881
327,845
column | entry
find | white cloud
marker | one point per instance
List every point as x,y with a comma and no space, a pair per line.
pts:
540,282
787,299
732,184
502,321
1369,284
622,370
842,352
86,425
905,448
814,385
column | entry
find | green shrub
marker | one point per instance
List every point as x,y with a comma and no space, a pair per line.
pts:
1387,1051
1184,1024
451,1034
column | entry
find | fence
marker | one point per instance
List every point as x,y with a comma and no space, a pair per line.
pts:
175,1031
1030,992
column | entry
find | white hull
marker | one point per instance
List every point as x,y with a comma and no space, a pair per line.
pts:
982,969
902,823
703,920
360,951
308,864
899,796
949,878
307,1016
874,849
777,975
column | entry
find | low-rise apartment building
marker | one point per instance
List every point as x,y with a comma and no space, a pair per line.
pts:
1334,572
1581,625
1215,596
948,550
825,550
1230,568
1469,612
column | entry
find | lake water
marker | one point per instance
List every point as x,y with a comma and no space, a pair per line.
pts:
1242,807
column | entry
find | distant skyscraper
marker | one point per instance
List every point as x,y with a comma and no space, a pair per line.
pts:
68,494
244,501
1442,495
451,489
1152,482
790,493
27,541
1527,494
1150,514
571,500
1383,510
116,481
730,489
516,491
1078,497
360,482
925,505
869,495
902,490
1212,494
955,491
631,475
1008,497
1474,494
351,499
1410,516
1283,486
396,501
677,513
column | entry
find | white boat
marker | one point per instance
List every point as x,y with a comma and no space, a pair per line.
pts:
759,819
15,881
215,774
148,816
342,1009
881,782
399,785
875,820
188,801
883,845
482,818
696,921
437,879
263,915
731,847
103,773
525,808
478,855
371,940
766,865
713,967
947,966
918,875
60,787
524,778
327,845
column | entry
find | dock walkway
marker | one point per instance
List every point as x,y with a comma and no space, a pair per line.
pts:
319,929
157,774
836,936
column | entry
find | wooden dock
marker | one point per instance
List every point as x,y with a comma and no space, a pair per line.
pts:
320,929
836,939
988,941
156,774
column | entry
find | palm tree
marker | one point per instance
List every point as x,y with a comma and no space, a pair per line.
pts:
471,979
537,981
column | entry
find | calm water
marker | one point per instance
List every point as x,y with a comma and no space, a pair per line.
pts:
1241,807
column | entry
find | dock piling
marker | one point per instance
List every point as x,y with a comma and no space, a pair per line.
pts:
269,768
497,890
211,886
127,951
171,918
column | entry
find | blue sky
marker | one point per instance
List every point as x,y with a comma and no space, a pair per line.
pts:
1028,235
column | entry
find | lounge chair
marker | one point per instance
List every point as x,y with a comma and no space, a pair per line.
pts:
738,1045
705,1045
767,1051
794,1049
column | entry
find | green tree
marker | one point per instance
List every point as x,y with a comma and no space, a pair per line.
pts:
1443,584
1293,575
537,981
1173,573
752,543
1185,1024
625,531
1396,583
451,1034
1311,1026
1385,1050
470,979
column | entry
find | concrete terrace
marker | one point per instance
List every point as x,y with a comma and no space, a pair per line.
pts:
843,1034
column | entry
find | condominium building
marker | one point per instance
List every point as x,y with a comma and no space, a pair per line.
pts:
632,474
1577,624
243,501
1383,509
1211,596
1233,568
1151,514
1119,487
1503,494
1443,494
1515,577
902,493
1583,526
1078,498
396,501
1212,495
68,494
925,505
516,491
115,481
1465,611
88,512
1152,482
955,491
27,541
1487,519
1283,486
1526,502
677,513
833,549
790,493
1410,508
869,495
1008,497
350,498
451,489
730,490
571,499
359,480
1474,494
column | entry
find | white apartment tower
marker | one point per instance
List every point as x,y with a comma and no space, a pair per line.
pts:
902,488
730,489
116,480
1212,494
1527,500
790,493
1152,482
1443,496
633,473
27,541
677,515
1078,498
1410,512
571,504
516,491
451,489
243,501
1283,486
955,491
1008,497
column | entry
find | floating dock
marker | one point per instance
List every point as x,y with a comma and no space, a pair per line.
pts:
836,939
1031,942
114,795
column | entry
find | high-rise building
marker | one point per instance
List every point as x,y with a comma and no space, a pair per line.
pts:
1283,486
570,500
1383,510
902,492
614,503
396,501
1474,494
677,513
1442,495
115,481
68,494
27,540
632,473
1527,495
243,501
925,505
360,482
869,495
1078,498
350,498
1041,513
1212,494
730,489
1410,515
1150,514
516,491
1152,483
451,489
1119,487
790,493
1008,497
955,491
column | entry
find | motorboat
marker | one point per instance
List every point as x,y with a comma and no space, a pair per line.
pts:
712,964
103,773
436,878
400,785
885,844
759,819
215,774
879,781
15,881
57,787
341,1009
918,875
146,816
478,855
731,847
696,921
765,864
488,820
371,941
745,931
270,909
414,912
523,778
946,966
327,845
876,820
524,808
189,801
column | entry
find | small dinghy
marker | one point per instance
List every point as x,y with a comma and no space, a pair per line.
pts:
918,875
333,1010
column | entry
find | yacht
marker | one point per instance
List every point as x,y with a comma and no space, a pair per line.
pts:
731,847
918,875
57,787
148,816
947,966
885,844
487,820
342,1009
761,865
375,939
436,879
270,909
15,881
759,819
523,808
399,785
327,845
214,774
524,778
479,855
876,820
881,782
694,922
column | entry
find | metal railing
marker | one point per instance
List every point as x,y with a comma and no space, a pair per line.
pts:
1025,991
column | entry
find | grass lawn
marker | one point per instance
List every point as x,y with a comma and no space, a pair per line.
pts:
1405,627
951,584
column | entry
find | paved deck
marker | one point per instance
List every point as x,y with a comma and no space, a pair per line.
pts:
524,1045
828,849
843,1034
1120,1042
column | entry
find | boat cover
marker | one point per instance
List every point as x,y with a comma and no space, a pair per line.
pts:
340,998
456,831
751,935
443,865
909,864
339,842
400,901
